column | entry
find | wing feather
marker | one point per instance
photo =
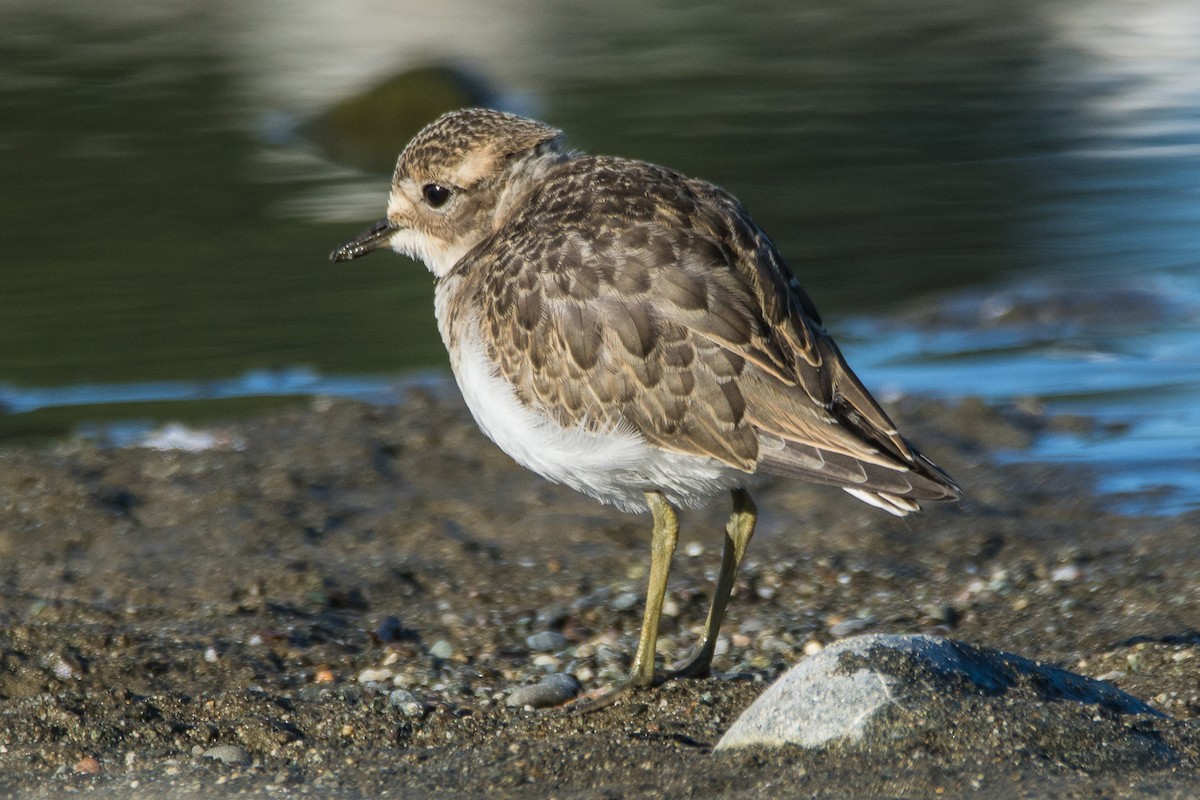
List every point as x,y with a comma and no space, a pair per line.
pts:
659,306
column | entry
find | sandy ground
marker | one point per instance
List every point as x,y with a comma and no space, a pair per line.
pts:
339,598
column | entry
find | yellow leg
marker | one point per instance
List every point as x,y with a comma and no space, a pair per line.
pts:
662,548
738,532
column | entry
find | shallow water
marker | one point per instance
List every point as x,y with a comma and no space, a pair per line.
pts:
1025,177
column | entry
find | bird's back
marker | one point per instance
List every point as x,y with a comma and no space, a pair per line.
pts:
622,296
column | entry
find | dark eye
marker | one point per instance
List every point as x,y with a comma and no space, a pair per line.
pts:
435,194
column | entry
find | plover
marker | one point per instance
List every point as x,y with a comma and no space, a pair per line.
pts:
630,332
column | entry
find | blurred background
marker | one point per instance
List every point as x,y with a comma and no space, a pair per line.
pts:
996,200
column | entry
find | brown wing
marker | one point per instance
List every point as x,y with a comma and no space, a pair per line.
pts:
657,305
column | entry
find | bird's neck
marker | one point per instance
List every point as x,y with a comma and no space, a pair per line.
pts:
525,174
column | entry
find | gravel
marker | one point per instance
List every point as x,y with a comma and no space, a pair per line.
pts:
165,603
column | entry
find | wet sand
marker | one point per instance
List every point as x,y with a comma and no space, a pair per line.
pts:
337,600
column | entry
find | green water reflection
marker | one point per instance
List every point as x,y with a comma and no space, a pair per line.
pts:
143,236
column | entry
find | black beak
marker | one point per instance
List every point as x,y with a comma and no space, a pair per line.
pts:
373,238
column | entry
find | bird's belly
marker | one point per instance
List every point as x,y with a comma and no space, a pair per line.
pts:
615,466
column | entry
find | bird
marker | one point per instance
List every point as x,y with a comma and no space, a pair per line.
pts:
632,333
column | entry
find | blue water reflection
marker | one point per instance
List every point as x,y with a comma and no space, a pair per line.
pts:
1125,355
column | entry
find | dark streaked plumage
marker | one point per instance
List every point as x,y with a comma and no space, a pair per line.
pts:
631,332
659,304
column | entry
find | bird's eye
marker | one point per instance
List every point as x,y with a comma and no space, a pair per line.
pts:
435,194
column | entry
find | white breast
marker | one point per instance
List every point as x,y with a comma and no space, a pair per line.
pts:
614,467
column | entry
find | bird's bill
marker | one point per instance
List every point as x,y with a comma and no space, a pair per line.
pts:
376,237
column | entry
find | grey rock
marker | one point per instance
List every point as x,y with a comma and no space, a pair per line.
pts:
552,690
441,649
887,691
230,754
625,601
546,642
408,703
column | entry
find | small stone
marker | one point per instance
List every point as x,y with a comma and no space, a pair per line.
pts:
441,649
375,676
1067,573
66,668
625,601
547,662
546,642
88,765
552,690
230,754
408,703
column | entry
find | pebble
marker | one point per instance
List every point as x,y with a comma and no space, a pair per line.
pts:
546,642
375,676
441,649
547,662
228,754
625,601
88,765
1067,573
552,690
408,703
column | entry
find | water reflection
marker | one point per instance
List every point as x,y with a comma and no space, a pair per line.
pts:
1124,355
166,222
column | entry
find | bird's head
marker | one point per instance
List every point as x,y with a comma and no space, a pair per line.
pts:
455,183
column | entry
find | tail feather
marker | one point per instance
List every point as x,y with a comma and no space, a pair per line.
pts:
900,506
919,479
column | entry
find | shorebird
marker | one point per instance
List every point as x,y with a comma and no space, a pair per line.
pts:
631,332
